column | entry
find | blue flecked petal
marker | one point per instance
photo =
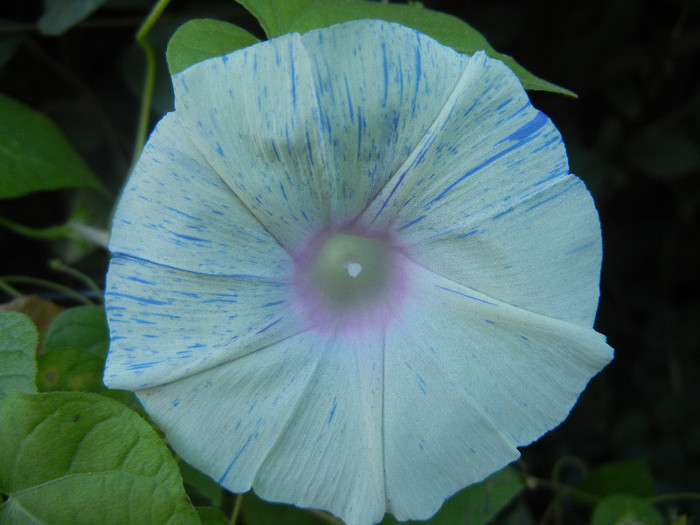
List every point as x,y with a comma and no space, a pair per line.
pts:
469,378
487,200
177,212
298,421
307,129
381,86
253,115
166,323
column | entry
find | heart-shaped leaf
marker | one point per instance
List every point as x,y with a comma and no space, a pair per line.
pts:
74,457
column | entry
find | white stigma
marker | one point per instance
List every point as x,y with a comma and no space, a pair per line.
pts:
353,268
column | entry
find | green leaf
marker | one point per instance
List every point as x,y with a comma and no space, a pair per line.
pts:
82,458
18,340
70,369
199,39
34,154
200,486
82,327
60,15
74,354
629,477
625,509
664,152
11,36
212,516
477,504
278,17
259,512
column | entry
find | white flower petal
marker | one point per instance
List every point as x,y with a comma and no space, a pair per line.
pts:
225,420
306,129
486,200
467,379
299,421
166,324
381,86
176,211
253,115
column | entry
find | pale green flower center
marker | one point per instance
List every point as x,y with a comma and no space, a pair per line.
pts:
349,269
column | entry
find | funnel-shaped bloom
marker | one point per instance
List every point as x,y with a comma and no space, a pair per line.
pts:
352,271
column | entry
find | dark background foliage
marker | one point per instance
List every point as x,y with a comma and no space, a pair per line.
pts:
632,135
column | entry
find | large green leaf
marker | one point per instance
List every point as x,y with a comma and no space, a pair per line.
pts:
75,457
61,15
34,154
18,340
200,39
286,16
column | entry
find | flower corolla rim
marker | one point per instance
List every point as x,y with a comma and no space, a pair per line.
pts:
481,337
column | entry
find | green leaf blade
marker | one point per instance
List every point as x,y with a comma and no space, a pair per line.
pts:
83,327
82,458
60,15
34,154
628,477
286,16
478,504
18,342
199,39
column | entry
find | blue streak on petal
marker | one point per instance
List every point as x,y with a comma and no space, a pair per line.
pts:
414,221
465,295
524,135
275,303
418,76
235,458
184,214
140,366
385,67
528,129
335,405
347,94
268,326
190,238
474,170
144,300
294,80
142,281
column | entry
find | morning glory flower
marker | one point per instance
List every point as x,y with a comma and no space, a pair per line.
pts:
352,271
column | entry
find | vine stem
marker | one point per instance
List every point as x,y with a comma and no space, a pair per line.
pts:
60,266
560,488
150,76
236,508
675,496
49,285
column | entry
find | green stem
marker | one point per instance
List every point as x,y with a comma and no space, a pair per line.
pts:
43,283
149,81
51,233
236,508
10,289
675,496
60,266
96,236
325,517
556,486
